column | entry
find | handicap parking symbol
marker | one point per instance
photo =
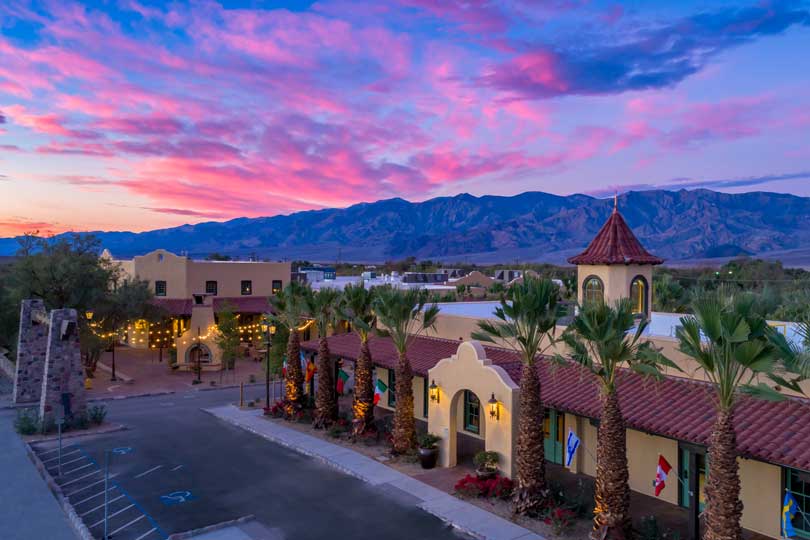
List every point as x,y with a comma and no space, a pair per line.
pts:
177,497
122,450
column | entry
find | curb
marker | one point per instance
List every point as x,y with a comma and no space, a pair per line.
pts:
77,434
76,522
211,528
118,373
145,394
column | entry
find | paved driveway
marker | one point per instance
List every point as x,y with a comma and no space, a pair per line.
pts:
183,469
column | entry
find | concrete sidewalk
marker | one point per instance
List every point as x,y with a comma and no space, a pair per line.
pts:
29,511
462,515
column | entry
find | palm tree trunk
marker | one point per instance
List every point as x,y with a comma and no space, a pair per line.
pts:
326,407
611,518
363,406
723,505
530,461
294,381
404,427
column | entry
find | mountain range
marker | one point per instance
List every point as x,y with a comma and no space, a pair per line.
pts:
680,226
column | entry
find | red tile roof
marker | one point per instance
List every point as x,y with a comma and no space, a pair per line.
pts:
675,407
615,243
177,307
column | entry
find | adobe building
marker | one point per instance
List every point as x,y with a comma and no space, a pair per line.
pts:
468,394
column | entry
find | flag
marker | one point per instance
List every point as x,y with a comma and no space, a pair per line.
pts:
284,367
342,377
571,446
789,509
303,359
379,388
311,371
661,475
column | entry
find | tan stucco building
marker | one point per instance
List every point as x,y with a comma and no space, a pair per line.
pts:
478,399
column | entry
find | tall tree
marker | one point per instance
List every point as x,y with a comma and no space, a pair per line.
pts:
601,340
526,321
738,352
356,308
323,308
403,315
227,337
289,311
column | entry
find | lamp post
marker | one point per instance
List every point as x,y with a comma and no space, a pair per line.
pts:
268,330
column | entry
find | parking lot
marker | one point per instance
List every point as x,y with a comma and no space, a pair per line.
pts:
176,468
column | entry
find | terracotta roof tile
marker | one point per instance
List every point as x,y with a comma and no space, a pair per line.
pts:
615,243
177,307
675,407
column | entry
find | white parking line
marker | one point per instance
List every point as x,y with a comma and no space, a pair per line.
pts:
79,478
87,486
55,450
77,469
99,522
91,497
63,456
144,535
122,527
102,505
147,472
71,461
178,467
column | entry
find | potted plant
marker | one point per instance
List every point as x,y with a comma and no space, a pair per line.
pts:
428,450
486,464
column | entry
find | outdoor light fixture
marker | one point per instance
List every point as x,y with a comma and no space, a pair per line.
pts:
272,329
88,315
264,327
434,391
493,407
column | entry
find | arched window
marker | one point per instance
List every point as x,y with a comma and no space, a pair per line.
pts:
638,295
593,290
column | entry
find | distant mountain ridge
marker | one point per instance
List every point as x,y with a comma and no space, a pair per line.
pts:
531,226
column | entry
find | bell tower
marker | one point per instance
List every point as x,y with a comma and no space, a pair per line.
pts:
615,265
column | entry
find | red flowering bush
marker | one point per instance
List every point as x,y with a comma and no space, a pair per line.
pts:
276,411
560,518
471,486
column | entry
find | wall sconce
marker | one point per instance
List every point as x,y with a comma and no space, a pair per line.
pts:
434,391
493,407
88,315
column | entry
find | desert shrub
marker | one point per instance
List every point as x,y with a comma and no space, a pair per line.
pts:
560,518
471,486
26,422
97,414
79,421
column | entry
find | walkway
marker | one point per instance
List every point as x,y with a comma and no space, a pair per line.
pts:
29,510
460,514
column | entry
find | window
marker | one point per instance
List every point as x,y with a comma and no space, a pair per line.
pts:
247,287
276,286
472,412
798,484
392,381
211,287
593,290
160,288
638,295
553,432
425,398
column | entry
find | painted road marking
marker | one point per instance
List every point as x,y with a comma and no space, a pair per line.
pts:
78,469
122,450
176,468
56,450
153,469
72,461
99,522
122,527
101,505
91,497
79,478
144,535
64,455
177,497
87,486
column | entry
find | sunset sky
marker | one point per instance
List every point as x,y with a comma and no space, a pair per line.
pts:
136,115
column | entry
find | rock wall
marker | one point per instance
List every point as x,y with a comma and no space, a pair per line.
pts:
63,379
32,346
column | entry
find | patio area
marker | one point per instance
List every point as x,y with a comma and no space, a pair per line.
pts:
141,371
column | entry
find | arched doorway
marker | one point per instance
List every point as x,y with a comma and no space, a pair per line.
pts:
467,426
198,352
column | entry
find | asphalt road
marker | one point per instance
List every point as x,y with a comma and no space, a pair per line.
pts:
184,469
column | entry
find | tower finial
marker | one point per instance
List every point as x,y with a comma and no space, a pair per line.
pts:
615,201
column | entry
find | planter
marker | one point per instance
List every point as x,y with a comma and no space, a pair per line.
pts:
428,457
486,473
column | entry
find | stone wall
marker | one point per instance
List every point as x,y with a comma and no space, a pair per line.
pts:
63,379
31,349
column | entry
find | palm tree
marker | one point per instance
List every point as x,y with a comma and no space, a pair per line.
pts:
403,315
738,351
526,318
289,309
601,340
323,308
356,308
